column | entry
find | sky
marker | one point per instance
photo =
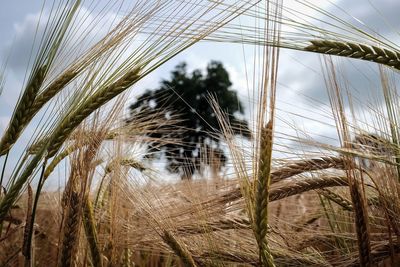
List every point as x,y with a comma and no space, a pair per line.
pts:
303,103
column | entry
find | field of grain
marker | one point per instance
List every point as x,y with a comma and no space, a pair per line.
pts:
322,205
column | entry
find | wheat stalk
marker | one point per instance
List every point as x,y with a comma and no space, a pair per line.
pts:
356,50
180,250
22,111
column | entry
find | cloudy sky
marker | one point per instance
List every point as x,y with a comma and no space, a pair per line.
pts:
302,97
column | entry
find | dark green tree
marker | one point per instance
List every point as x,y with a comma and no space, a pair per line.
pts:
187,95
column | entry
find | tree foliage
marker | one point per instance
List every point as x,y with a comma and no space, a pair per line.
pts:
187,94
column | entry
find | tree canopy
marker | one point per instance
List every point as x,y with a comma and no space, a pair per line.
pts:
187,95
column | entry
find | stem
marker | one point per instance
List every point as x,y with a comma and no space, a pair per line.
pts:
1,185
3,170
35,204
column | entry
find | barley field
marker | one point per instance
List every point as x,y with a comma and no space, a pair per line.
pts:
78,187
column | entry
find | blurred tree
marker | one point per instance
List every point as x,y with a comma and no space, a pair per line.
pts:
187,95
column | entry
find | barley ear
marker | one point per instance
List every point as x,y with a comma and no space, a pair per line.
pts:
262,195
38,145
341,201
101,97
180,250
48,93
307,165
51,90
299,186
22,111
53,164
70,230
355,50
133,164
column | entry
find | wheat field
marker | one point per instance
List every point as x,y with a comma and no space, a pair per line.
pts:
323,205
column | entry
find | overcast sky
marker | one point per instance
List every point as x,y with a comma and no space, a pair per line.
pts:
301,88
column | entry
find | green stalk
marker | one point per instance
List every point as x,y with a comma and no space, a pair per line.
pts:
34,209
3,171
1,186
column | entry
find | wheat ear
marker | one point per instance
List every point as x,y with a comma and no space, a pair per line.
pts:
42,98
51,90
180,250
262,195
94,102
354,50
128,162
344,203
307,165
91,233
37,146
292,188
133,164
304,185
70,230
22,111
58,159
